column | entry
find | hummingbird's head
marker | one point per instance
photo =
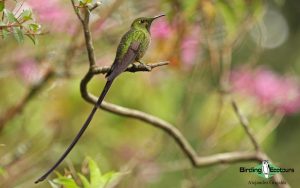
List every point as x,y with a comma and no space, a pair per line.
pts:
144,22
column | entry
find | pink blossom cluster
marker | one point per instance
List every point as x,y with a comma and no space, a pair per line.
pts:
29,71
270,89
161,29
51,13
189,48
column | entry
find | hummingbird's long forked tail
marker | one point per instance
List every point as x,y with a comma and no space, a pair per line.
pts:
80,133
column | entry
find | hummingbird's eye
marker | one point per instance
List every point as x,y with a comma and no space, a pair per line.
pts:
142,21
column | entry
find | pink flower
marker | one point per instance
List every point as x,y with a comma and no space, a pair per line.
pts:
270,89
240,80
267,86
161,29
52,13
190,47
29,72
289,98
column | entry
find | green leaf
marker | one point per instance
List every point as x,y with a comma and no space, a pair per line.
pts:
2,6
110,177
5,33
18,34
88,1
84,181
81,3
32,38
95,175
53,185
10,16
26,15
84,2
34,27
66,182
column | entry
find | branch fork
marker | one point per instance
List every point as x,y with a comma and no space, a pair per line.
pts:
197,161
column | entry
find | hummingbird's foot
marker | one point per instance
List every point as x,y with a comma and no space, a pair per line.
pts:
135,66
146,66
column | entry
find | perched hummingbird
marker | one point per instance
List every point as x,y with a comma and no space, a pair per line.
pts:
132,48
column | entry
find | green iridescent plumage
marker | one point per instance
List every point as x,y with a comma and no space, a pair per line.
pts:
132,47
139,34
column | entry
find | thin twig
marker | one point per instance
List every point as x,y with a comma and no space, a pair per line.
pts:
95,5
245,123
131,68
76,11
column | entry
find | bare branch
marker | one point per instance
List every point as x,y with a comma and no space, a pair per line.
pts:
77,11
196,161
150,119
245,123
131,68
95,5
172,131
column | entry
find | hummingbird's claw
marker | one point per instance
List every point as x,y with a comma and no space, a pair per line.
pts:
147,67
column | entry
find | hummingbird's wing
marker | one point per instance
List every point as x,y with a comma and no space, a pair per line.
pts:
121,64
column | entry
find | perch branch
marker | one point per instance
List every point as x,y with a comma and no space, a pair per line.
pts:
245,123
150,119
95,5
196,161
172,131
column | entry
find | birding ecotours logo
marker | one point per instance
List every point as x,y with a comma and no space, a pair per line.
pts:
266,169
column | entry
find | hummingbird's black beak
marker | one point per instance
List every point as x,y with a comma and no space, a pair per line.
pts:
157,17
150,20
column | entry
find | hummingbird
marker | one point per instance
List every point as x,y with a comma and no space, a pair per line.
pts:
132,48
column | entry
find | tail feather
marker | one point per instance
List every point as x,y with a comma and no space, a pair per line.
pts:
82,130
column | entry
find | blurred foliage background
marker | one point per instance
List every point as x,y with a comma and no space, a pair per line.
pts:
245,49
